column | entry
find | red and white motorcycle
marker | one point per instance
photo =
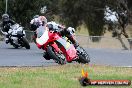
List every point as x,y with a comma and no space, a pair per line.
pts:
58,48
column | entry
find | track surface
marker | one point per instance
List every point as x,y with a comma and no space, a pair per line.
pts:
33,57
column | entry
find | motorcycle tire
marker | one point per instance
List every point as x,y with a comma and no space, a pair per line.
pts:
15,46
56,56
26,44
83,55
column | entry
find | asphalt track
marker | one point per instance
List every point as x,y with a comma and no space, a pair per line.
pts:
33,57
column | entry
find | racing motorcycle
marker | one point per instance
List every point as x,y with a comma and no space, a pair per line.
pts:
59,49
17,36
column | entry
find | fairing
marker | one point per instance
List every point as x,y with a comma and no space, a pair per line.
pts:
42,35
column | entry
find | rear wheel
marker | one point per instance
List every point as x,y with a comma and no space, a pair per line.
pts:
83,55
15,46
58,57
25,43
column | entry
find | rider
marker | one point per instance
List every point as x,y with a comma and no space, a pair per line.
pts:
6,23
63,31
42,21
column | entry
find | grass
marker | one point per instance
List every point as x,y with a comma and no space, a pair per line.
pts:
65,76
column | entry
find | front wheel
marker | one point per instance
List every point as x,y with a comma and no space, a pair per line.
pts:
25,43
58,57
83,55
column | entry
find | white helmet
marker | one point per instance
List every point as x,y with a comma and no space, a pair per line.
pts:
5,17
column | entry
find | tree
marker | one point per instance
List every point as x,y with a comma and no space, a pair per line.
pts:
123,15
2,7
23,11
89,12
72,12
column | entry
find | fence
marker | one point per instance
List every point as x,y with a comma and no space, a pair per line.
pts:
92,41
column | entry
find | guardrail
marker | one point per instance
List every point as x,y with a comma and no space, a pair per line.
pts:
91,41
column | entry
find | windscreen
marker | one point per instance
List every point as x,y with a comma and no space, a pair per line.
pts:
40,31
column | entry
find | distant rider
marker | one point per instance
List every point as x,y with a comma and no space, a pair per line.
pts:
6,23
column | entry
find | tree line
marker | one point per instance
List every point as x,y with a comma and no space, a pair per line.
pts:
70,12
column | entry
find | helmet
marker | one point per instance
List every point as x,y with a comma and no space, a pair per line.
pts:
5,17
43,19
36,16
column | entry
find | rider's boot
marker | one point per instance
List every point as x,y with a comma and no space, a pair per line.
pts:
34,37
7,39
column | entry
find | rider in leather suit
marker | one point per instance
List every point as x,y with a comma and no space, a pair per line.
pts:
6,23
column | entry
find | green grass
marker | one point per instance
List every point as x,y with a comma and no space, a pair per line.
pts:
65,76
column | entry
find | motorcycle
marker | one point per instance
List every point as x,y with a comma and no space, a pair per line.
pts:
59,49
17,36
